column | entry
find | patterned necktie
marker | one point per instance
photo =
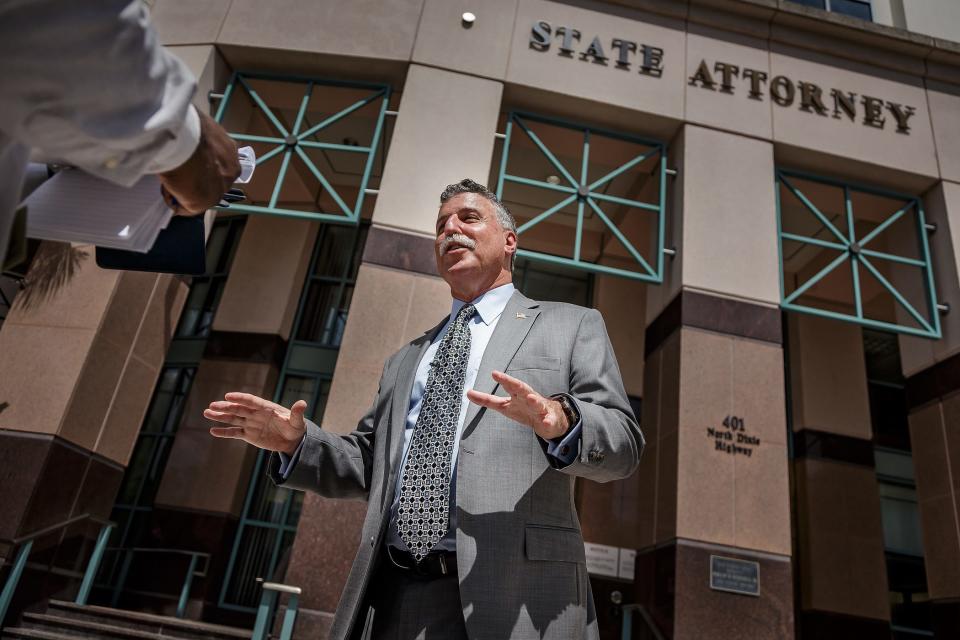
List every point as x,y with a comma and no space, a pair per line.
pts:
423,513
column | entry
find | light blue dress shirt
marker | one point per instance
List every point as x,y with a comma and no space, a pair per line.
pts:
489,307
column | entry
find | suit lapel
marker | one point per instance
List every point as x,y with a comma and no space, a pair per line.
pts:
514,325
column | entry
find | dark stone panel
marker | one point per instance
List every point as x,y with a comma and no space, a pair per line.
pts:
311,624
810,443
826,625
22,456
723,315
702,612
399,250
946,619
248,347
673,585
100,487
934,383
55,489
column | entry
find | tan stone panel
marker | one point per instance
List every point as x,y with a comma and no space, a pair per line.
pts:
188,21
124,314
841,137
587,79
830,393
96,387
42,365
641,499
931,457
66,289
951,427
659,296
364,28
729,213
667,493
206,473
602,518
127,409
430,303
263,289
622,303
706,490
211,72
842,546
944,101
443,133
482,49
651,406
670,386
727,108
760,498
758,387
941,546
160,320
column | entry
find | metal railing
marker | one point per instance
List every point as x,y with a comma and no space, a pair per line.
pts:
25,543
187,580
627,611
269,597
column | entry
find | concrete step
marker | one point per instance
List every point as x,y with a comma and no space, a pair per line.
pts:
166,626
20,633
75,627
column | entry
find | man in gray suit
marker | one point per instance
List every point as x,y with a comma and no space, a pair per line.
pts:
468,454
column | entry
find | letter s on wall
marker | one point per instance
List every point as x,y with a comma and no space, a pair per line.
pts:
540,36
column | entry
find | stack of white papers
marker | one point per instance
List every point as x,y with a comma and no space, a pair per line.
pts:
74,206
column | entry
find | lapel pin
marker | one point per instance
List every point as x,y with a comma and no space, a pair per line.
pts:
521,315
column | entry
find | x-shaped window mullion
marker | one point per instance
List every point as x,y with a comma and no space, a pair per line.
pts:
813,209
896,294
546,152
622,238
263,107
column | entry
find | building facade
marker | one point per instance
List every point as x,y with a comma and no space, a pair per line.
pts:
762,197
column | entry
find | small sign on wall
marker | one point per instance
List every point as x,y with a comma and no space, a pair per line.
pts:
735,575
610,562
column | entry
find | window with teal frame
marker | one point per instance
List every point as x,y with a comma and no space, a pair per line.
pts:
585,197
855,253
317,143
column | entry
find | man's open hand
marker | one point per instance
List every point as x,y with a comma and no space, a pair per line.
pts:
524,405
262,423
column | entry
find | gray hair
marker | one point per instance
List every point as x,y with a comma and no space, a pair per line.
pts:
504,217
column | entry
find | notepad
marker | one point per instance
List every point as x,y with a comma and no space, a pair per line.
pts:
74,206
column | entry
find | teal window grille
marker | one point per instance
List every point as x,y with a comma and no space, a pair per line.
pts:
584,197
268,523
317,143
855,253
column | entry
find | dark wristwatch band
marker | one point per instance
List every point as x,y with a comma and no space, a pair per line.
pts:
569,410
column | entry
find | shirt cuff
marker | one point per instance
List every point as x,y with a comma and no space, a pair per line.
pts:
181,147
287,463
568,449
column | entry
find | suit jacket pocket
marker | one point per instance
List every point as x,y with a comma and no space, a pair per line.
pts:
520,362
553,543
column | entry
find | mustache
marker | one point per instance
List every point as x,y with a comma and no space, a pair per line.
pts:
456,238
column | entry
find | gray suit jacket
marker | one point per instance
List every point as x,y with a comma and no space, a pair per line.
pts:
520,555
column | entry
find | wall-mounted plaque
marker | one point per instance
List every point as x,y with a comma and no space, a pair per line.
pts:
735,575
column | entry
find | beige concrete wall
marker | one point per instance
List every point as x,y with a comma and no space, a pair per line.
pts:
444,132
942,207
937,18
828,376
623,305
729,221
266,276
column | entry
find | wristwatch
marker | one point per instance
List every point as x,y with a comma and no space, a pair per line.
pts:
569,410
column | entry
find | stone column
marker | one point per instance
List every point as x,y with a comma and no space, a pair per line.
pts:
444,132
843,577
714,477
932,369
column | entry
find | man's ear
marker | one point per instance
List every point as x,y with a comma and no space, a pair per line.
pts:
511,242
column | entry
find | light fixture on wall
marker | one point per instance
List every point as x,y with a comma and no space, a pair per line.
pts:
467,19
552,179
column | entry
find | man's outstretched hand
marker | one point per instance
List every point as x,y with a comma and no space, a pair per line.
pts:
524,405
262,423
